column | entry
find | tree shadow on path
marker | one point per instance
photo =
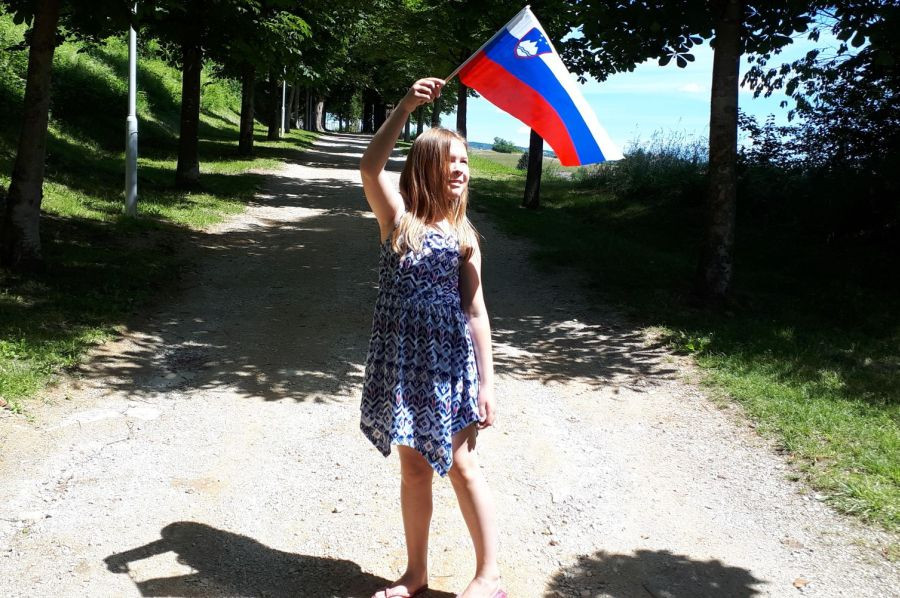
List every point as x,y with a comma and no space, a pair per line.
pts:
281,306
652,573
229,564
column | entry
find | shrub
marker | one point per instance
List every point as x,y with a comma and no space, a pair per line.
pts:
523,161
503,146
667,167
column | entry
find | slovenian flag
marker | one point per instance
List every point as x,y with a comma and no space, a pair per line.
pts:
519,71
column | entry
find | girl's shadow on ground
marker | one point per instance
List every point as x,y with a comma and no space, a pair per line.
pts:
228,564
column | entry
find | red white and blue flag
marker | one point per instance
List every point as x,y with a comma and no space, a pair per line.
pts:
520,72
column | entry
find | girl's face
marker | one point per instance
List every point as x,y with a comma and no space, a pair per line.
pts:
459,169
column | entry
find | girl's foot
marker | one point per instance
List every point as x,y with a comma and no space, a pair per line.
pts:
483,587
408,586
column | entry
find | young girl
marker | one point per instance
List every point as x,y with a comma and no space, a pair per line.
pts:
429,373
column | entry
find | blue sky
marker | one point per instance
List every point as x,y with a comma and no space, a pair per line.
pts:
634,105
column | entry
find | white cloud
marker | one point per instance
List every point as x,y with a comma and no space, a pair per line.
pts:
523,129
692,88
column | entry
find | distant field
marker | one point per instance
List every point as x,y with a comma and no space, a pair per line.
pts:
551,165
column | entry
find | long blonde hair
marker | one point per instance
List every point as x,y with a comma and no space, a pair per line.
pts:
423,185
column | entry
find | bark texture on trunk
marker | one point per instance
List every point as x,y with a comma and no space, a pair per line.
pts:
307,113
461,105
715,266
245,139
436,113
187,172
274,109
368,114
380,114
320,114
532,198
288,107
20,239
295,107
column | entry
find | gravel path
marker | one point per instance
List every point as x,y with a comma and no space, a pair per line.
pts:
214,450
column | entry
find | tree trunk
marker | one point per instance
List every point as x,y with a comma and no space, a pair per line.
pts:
461,104
20,239
288,106
295,107
320,114
420,120
380,114
368,114
274,109
406,128
187,171
532,199
436,113
715,267
245,138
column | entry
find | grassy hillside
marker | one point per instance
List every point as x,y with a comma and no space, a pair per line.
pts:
101,265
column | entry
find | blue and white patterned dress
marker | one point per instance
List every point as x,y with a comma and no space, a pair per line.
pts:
421,381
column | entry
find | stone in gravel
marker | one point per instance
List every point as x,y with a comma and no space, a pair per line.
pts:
144,413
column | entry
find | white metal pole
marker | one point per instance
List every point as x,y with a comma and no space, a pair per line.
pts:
283,99
131,128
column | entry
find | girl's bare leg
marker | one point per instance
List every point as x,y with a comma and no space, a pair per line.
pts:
477,506
415,502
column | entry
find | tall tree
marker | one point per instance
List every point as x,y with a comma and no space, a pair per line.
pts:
532,196
240,33
268,37
245,130
20,233
20,241
187,30
618,36
848,98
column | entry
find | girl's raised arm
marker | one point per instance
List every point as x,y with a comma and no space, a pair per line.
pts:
383,198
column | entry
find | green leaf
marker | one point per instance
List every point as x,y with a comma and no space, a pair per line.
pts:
791,87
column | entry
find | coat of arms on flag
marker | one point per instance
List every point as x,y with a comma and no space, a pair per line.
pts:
531,44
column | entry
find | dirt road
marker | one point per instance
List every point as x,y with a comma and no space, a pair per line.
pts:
215,451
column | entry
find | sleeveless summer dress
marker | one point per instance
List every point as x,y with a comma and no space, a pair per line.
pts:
421,381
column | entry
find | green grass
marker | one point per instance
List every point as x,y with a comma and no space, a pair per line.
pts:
810,348
552,167
101,266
